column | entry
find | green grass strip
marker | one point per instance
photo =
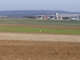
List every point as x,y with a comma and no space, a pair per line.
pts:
37,30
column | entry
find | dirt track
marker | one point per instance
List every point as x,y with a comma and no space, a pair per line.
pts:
39,37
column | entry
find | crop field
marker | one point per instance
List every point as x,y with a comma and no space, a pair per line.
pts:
34,26
39,22
37,30
32,39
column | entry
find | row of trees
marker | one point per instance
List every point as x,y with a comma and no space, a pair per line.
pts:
33,17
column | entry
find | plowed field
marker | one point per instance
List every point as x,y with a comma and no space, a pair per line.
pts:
37,50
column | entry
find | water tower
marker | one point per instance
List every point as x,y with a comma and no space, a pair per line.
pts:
56,16
79,16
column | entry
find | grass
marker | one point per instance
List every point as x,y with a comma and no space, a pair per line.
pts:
39,22
37,30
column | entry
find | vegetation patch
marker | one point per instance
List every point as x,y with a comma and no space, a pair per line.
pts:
38,30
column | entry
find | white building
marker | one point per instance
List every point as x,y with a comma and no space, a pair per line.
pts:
79,16
56,16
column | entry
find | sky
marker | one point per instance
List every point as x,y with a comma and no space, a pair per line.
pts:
65,5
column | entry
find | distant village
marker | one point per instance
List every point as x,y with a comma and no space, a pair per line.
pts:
57,16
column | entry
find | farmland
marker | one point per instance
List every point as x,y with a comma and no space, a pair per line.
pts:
34,26
30,50
21,39
39,22
37,30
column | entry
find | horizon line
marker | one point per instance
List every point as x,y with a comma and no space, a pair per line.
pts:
42,10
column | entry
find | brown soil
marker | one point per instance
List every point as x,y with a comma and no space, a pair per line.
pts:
30,50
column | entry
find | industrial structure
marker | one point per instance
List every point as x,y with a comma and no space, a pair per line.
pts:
79,16
56,16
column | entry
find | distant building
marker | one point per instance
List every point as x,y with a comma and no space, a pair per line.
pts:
45,17
79,16
56,16
60,18
39,17
3,16
74,18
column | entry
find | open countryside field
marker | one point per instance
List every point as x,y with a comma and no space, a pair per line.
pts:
39,22
38,30
21,39
37,50
34,26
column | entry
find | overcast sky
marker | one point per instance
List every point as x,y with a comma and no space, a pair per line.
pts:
67,5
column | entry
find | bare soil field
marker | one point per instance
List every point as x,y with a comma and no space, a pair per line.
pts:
37,50
39,37
19,46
